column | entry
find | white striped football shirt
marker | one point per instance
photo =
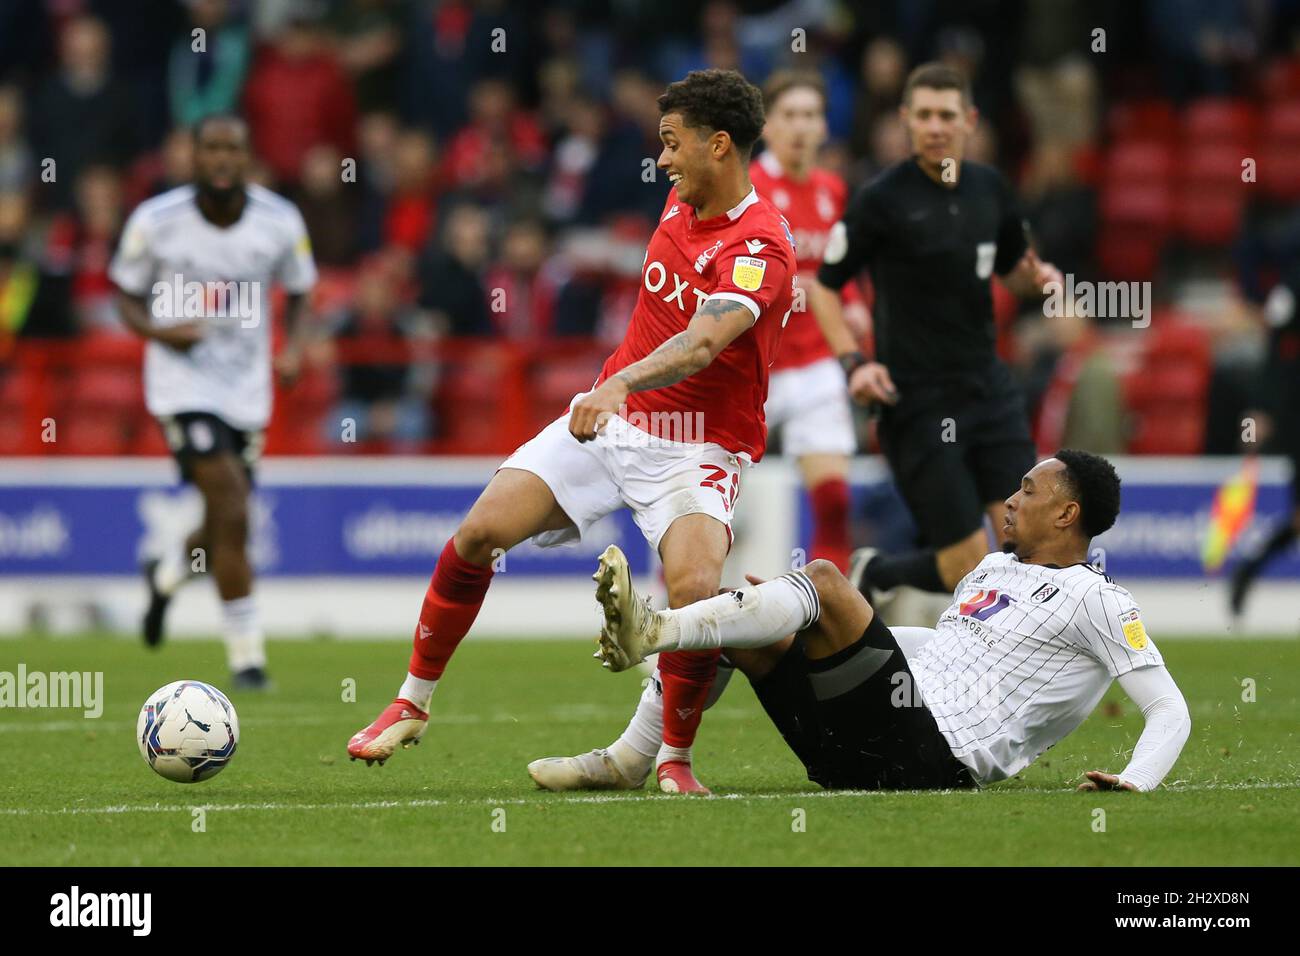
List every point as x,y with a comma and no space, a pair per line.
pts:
225,279
1021,658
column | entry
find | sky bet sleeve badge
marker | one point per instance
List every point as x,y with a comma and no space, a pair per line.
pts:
1134,632
748,272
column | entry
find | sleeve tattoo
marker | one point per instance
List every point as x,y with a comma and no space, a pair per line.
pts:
684,354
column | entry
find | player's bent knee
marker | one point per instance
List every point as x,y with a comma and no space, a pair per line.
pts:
477,540
824,575
690,587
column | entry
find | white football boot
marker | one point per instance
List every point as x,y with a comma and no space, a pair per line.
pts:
632,628
591,771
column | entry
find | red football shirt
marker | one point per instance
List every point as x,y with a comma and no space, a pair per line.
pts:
745,255
811,207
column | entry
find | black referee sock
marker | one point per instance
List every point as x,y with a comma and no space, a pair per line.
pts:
1279,541
919,569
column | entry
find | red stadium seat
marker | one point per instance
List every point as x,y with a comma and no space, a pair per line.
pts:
1209,219
1167,392
1278,171
1213,168
1143,119
1137,163
1145,206
1220,121
1281,80
1127,255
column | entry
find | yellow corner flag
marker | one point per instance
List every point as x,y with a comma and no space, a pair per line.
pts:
1234,506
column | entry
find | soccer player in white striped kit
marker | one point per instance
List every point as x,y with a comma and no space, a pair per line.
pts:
1031,642
194,271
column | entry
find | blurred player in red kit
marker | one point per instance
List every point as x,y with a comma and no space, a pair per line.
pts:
673,419
807,399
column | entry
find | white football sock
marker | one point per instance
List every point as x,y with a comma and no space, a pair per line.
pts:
644,735
242,629
646,728
418,691
751,616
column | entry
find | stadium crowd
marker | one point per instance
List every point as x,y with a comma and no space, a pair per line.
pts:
477,179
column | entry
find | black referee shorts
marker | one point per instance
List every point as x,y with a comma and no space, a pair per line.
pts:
953,451
855,720
192,435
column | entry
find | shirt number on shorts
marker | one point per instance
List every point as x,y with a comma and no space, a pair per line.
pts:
717,480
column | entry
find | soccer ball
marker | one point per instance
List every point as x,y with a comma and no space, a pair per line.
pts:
187,731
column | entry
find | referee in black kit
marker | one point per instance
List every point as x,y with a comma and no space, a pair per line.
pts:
1279,410
932,230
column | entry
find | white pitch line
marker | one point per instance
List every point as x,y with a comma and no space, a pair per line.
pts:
541,800
560,715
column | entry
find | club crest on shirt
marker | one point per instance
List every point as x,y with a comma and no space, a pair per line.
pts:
1044,593
1134,633
747,273
703,258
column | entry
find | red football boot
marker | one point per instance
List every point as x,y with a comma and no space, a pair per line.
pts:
401,722
676,776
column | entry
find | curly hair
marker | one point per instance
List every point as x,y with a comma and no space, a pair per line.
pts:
718,100
1095,485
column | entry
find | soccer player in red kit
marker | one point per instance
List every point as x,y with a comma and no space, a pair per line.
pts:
807,399
673,419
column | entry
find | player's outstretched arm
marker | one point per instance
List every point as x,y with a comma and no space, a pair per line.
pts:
1167,726
716,324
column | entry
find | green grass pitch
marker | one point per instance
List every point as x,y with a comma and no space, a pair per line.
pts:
74,791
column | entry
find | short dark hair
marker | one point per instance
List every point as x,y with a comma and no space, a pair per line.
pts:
783,81
1093,482
937,76
204,122
718,100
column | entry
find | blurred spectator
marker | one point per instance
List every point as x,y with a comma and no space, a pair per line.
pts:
451,286
1061,210
1061,100
35,301
377,141
572,159
369,40
495,121
1072,386
620,180
450,47
167,168
201,83
883,71
387,398
81,244
1199,44
328,207
409,217
16,163
297,97
81,114
524,284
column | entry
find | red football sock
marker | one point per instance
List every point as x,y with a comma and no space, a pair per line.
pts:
450,605
686,677
830,514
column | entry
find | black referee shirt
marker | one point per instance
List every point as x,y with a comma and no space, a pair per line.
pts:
931,250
